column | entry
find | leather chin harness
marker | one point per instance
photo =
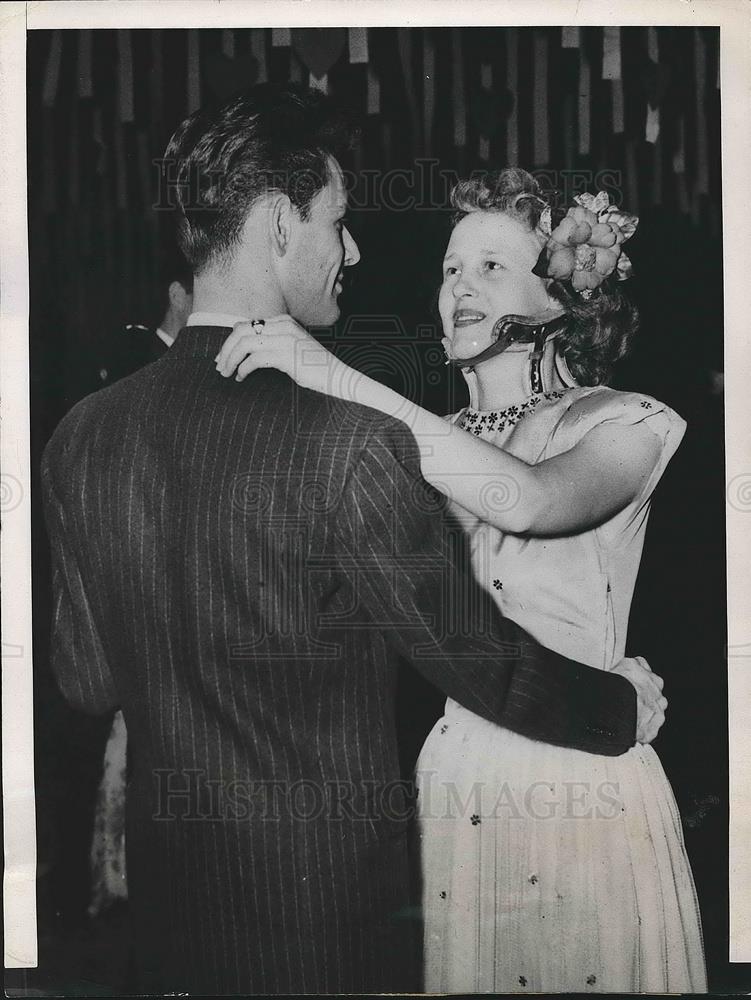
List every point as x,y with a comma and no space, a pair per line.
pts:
514,329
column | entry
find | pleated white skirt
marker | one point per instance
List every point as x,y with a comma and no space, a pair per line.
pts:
551,870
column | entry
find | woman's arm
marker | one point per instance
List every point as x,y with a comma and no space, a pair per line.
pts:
569,493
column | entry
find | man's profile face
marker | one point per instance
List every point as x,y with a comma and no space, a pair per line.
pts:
320,248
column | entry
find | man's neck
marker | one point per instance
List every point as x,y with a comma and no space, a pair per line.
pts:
171,324
256,299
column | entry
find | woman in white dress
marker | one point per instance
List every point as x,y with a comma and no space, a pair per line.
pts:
545,869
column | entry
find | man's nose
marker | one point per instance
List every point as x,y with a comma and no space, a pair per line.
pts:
351,251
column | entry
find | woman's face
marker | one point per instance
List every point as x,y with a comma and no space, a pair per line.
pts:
487,273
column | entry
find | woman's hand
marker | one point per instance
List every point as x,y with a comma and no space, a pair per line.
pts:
279,343
650,701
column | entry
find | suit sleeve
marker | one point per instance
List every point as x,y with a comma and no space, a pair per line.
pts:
77,655
404,559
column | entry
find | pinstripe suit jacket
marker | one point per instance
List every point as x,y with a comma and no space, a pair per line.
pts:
239,567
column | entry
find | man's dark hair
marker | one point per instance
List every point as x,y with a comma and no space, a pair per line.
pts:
220,161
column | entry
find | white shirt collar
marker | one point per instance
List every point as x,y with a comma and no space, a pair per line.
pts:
164,337
214,319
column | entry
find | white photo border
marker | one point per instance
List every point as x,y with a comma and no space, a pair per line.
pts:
733,17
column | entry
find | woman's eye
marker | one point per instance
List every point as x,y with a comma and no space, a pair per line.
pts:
448,271
493,265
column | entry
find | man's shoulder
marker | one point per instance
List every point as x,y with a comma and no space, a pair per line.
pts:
349,422
94,411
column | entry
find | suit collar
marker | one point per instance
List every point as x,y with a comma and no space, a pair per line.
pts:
214,319
199,342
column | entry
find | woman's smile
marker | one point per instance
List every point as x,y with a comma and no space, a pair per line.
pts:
468,317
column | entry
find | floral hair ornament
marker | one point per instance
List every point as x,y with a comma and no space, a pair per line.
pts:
586,247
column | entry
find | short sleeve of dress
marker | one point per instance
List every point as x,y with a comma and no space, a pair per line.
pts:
602,405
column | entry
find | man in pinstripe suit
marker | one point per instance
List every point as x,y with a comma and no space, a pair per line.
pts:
239,568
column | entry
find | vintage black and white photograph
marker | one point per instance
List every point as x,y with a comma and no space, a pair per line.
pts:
377,507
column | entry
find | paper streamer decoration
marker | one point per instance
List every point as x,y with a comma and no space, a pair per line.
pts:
696,200
569,130
225,77
541,149
618,114
657,173
404,41
653,124
358,45
319,49
486,82
319,83
428,89
512,83
228,43
87,229
374,92
121,187
489,109
144,169
460,105
194,72
653,50
258,50
85,85
679,156
49,166
73,159
281,38
611,54
52,73
124,75
295,68
97,135
386,142
569,38
156,83
702,159
126,257
584,109
632,180
682,188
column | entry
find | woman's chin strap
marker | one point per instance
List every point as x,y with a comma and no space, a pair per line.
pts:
518,330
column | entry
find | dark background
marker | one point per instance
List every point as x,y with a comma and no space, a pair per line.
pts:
96,244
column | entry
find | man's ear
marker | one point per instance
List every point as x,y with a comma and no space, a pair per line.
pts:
281,223
177,295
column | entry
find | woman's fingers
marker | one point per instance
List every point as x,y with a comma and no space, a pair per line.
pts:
650,727
655,678
236,353
250,364
239,330
230,346
273,344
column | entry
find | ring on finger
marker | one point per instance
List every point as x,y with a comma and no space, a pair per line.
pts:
258,325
